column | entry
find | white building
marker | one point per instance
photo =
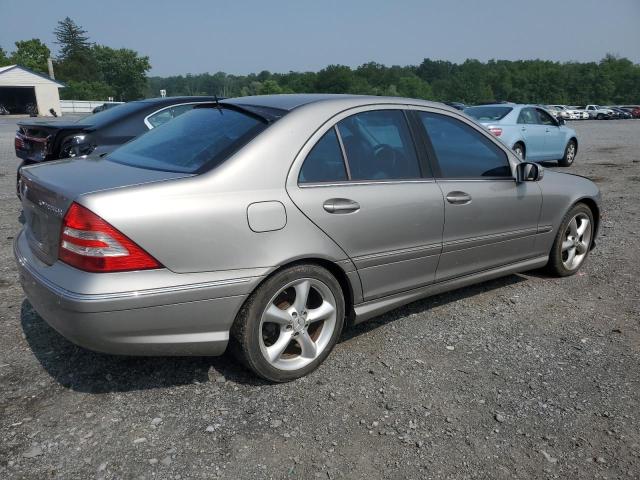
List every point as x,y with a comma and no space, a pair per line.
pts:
20,86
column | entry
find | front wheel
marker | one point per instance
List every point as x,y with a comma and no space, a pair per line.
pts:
573,241
290,324
569,154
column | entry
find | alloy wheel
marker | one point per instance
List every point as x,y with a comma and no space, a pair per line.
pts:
297,324
571,152
577,238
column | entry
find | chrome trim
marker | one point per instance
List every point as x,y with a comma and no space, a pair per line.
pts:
481,241
487,179
363,182
545,228
345,159
394,256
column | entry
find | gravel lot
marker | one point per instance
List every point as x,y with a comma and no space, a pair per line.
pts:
522,377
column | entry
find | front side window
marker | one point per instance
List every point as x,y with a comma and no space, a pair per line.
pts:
198,140
379,146
324,163
462,151
544,118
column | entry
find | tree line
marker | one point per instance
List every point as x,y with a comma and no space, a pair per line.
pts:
89,71
96,72
612,80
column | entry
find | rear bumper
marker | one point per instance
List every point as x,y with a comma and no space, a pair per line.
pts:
172,319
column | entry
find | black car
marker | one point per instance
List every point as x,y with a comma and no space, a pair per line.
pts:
100,133
105,106
456,105
621,113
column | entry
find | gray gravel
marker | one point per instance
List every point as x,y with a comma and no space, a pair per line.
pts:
522,377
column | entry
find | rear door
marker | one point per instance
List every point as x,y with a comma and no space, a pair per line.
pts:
490,220
533,134
362,181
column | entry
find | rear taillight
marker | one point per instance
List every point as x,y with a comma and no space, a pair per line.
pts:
497,131
89,243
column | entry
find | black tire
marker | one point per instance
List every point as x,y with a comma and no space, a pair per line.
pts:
519,147
600,116
555,266
246,331
568,158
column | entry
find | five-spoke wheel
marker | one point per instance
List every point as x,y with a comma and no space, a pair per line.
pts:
573,241
290,323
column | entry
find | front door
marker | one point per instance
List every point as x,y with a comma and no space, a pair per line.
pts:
533,134
490,220
554,137
364,184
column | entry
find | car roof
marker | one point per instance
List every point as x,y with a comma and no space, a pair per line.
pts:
290,102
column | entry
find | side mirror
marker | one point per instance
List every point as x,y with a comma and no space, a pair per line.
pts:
561,121
529,172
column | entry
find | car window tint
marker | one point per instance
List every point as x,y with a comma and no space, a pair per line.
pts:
198,140
324,163
161,117
528,116
544,118
462,151
180,109
379,146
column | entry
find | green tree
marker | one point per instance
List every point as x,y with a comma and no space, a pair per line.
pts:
32,54
72,38
74,60
123,70
86,91
4,58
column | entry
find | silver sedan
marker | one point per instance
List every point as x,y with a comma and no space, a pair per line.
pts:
270,223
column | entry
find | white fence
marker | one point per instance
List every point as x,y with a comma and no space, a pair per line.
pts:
79,106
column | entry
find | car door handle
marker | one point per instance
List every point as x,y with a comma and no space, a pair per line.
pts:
524,129
341,205
458,198
547,130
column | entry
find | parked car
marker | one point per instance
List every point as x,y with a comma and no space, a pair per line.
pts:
38,141
597,112
620,113
456,105
633,109
271,222
569,113
106,106
530,131
553,110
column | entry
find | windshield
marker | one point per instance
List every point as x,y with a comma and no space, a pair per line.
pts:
195,141
488,114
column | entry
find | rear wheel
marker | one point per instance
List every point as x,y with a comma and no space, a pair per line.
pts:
290,324
573,241
519,150
569,154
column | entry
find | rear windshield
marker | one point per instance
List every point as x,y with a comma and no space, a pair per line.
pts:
195,141
490,114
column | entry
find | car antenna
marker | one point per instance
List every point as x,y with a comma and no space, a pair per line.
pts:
215,97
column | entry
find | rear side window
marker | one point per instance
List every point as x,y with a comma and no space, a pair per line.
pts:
324,162
163,116
379,146
462,151
198,140
528,116
488,114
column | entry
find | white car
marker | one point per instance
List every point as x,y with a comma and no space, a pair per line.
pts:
568,113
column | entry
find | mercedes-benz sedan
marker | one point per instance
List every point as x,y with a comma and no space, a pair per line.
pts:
270,223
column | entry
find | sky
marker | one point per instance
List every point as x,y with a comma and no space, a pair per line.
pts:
244,36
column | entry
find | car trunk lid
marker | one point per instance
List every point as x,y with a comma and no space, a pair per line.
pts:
47,191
